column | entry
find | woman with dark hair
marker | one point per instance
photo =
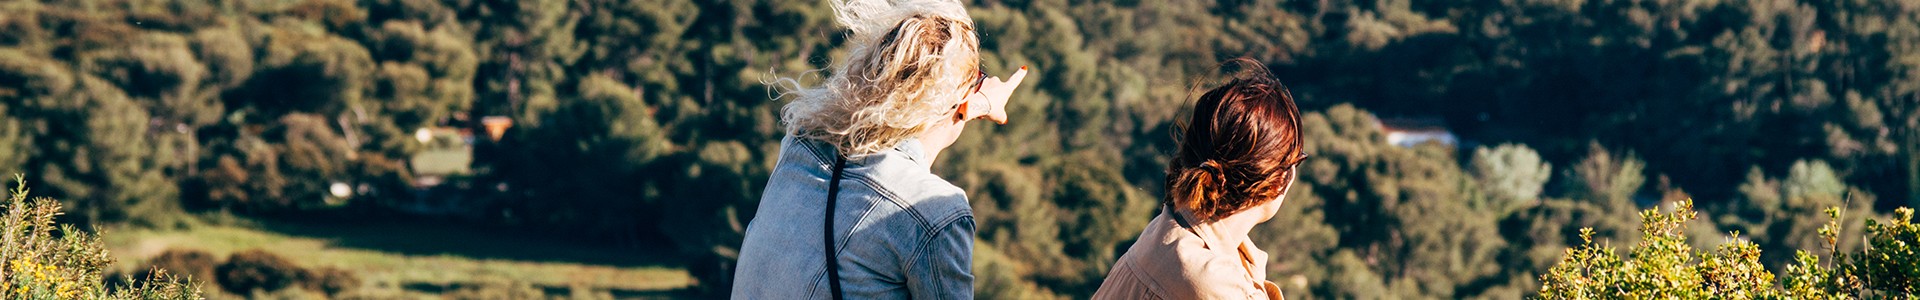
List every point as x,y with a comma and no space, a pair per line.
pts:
1238,157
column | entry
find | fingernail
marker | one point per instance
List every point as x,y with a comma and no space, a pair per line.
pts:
1023,67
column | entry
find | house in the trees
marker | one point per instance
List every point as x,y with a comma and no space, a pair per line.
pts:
1412,131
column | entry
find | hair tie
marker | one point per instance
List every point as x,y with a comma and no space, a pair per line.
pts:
1214,171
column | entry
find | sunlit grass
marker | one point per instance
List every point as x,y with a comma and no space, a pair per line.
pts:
390,258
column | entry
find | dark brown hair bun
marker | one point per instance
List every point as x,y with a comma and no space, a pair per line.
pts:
1238,147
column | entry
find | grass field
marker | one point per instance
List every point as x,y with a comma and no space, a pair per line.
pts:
421,259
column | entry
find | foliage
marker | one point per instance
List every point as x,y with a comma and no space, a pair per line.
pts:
1783,215
43,261
1608,179
998,277
1884,269
256,271
247,271
330,280
497,291
1415,227
192,264
647,124
1890,262
1664,265
1510,173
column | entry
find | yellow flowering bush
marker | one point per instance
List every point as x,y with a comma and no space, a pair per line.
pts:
41,259
1664,266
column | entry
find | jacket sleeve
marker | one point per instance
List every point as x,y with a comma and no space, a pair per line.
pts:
942,268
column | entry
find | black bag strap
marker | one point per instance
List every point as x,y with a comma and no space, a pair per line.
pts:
833,196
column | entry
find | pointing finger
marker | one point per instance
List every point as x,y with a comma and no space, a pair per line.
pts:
1018,76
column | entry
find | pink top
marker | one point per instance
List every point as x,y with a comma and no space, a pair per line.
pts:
1170,261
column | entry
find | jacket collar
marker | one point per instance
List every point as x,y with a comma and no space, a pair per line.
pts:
914,151
910,148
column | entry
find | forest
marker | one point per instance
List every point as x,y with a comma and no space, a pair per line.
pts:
650,124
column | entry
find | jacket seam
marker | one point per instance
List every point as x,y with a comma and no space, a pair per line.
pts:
819,279
819,158
840,247
927,237
884,192
891,197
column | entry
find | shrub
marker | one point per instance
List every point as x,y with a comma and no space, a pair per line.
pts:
249,270
194,264
1664,266
1889,267
330,280
42,261
497,291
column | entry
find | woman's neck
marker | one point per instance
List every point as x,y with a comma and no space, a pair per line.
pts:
1230,230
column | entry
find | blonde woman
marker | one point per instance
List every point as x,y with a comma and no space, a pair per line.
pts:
1238,156
852,209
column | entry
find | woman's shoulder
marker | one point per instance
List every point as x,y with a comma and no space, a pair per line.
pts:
907,181
1164,247
927,195
1180,262
898,176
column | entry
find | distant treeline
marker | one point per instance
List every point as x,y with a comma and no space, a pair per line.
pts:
649,122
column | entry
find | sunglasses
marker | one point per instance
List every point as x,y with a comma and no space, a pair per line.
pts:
979,79
1299,143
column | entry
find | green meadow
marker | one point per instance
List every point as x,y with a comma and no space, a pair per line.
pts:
422,259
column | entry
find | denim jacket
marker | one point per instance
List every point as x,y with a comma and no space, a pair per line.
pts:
900,231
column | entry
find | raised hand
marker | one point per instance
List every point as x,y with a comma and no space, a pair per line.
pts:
991,101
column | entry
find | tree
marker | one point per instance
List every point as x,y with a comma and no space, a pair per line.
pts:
1541,234
1612,181
1782,215
1064,223
588,161
1510,174
1404,211
523,45
1298,240
288,135
88,134
424,78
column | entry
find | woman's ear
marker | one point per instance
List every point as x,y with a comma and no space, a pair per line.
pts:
1273,207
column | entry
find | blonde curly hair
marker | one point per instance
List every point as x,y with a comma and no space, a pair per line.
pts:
908,67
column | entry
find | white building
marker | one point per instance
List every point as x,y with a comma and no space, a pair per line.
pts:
1409,132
